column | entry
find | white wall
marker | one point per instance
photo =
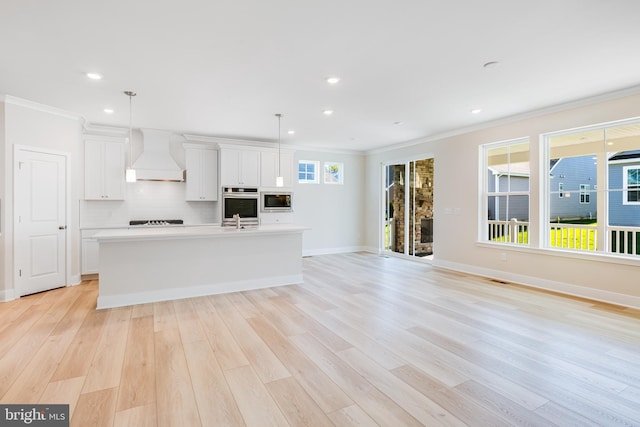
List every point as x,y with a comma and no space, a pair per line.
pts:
335,213
148,200
456,189
34,125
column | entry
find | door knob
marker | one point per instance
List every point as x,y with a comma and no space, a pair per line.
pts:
62,227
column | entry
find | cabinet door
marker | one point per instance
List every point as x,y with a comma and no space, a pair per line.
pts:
269,168
90,256
202,175
229,167
209,175
93,171
103,170
194,175
250,168
113,170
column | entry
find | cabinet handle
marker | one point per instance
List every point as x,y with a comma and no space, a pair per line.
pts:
62,227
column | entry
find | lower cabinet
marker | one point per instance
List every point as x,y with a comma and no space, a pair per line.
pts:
270,218
90,258
89,250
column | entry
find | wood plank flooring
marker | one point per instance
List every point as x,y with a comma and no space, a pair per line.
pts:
365,340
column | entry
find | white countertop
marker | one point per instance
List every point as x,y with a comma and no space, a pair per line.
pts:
165,233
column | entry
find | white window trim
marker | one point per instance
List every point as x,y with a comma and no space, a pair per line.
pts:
483,227
625,185
584,193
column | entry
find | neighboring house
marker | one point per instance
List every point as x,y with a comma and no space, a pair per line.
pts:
573,185
573,189
498,180
624,175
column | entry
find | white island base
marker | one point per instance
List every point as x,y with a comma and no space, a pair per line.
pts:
149,265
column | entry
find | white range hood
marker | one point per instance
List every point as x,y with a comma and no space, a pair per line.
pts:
155,162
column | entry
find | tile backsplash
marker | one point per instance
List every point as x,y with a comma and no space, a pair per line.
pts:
148,200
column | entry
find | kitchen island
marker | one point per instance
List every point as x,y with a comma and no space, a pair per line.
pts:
157,264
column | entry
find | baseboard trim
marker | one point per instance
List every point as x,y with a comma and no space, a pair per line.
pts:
7,295
547,285
111,301
329,251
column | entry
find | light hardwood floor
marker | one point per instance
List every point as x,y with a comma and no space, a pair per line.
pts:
365,340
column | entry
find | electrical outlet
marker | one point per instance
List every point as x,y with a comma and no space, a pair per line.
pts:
503,256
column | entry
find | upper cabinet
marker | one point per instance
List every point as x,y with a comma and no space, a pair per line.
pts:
104,164
240,167
202,173
272,166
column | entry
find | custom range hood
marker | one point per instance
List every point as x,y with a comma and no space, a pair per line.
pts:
155,161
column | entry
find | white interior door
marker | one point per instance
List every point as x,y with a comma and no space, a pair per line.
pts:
40,221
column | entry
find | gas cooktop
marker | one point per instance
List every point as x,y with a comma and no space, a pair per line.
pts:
155,222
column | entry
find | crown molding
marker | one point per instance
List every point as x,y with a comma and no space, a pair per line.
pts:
104,130
20,102
582,102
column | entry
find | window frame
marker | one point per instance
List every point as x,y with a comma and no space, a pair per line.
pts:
606,243
584,191
316,175
625,185
485,195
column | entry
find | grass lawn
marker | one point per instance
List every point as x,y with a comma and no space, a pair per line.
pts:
566,237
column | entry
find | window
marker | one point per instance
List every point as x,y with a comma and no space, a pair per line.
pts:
584,194
631,184
506,175
308,171
603,215
333,173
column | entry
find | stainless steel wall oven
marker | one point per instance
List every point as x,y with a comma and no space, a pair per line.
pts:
242,201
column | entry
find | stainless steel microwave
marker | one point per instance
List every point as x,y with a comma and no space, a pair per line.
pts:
276,202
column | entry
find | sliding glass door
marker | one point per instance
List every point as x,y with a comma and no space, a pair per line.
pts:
408,208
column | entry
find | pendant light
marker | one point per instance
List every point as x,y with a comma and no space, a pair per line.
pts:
279,178
130,173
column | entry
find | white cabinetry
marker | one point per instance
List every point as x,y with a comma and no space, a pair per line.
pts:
270,218
104,163
202,173
269,167
239,167
90,261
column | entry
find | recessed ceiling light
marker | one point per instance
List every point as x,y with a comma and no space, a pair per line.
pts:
94,76
333,80
476,111
291,131
491,64
327,112
108,110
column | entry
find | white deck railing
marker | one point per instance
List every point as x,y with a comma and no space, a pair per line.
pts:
573,236
621,240
512,231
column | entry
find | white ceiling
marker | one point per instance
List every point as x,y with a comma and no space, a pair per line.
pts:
224,68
